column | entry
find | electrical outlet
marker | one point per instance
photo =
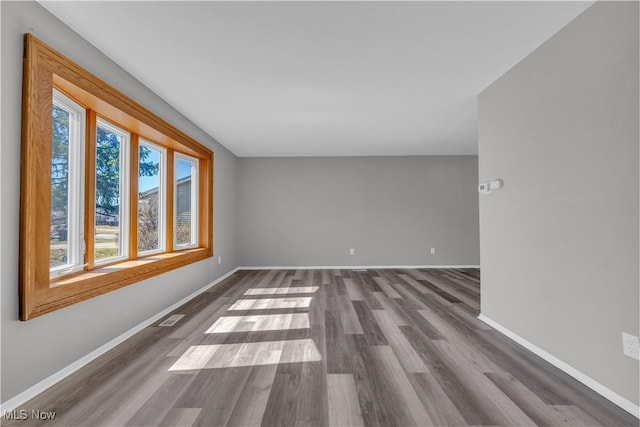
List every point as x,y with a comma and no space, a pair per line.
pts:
630,346
433,251
352,251
220,260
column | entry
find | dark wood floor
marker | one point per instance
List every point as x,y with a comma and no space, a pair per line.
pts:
326,348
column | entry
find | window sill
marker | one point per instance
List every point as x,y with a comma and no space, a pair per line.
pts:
82,286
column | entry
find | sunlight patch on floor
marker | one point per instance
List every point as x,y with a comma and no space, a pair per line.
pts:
271,303
266,322
280,291
247,354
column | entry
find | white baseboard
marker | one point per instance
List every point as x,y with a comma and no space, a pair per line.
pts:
38,388
349,267
594,385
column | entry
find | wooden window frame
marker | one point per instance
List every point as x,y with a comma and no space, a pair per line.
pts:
43,69
125,184
162,191
75,192
195,214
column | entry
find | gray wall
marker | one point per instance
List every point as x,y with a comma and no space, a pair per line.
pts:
392,210
559,242
33,350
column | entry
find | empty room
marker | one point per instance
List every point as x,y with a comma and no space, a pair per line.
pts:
319,213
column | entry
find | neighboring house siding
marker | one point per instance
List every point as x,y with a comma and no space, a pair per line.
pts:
183,197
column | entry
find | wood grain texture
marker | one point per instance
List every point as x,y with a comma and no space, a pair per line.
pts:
44,69
350,321
344,409
170,205
90,190
205,202
134,172
252,402
378,348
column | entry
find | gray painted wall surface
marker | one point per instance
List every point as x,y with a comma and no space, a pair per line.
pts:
70,333
559,242
392,210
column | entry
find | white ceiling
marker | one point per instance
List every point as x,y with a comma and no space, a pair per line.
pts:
322,78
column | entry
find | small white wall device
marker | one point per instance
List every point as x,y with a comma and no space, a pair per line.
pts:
489,186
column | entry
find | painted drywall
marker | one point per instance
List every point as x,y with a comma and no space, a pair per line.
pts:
391,210
33,350
559,243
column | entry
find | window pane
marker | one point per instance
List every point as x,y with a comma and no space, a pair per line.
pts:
149,199
108,235
58,241
185,201
66,210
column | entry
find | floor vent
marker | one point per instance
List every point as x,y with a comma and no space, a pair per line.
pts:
171,320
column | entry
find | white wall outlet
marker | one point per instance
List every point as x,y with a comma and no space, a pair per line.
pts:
433,251
630,346
220,260
352,251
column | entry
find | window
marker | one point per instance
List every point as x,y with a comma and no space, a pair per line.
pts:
186,202
66,237
151,198
120,194
111,188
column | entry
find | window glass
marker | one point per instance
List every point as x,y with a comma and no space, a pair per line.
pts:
150,198
185,201
110,212
58,240
66,209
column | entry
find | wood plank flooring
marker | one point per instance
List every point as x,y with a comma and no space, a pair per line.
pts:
325,348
